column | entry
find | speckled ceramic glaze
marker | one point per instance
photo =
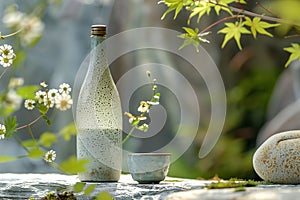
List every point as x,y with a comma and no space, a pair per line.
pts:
149,167
277,160
99,120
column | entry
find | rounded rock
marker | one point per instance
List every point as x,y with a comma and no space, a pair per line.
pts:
277,160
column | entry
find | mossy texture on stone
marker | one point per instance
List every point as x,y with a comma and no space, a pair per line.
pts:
232,183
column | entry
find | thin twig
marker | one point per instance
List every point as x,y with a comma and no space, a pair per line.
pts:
291,36
4,71
252,14
31,123
219,21
264,8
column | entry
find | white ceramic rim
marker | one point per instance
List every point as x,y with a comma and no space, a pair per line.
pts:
149,154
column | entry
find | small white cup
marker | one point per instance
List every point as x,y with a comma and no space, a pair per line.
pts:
149,167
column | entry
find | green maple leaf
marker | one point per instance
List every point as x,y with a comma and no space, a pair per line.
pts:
104,196
74,166
258,26
78,187
295,53
27,92
68,131
223,5
202,8
89,189
36,153
47,139
192,37
4,159
234,30
175,5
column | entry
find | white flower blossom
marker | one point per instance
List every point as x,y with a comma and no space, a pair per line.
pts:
48,102
141,118
5,62
7,51
40,95
64,88
153,103
43,84
15,82
52,93
2,131
130,120
50,156
29,104
13,99
32,27
156,97
6,55
144,107
131,117
144,127
63,101
12,19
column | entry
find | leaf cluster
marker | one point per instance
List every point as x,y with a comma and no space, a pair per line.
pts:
244,23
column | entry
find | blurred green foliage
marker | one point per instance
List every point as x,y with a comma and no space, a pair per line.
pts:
247,102
249,86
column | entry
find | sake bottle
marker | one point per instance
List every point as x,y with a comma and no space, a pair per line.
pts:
99,116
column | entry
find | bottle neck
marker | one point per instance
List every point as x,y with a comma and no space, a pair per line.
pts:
95,40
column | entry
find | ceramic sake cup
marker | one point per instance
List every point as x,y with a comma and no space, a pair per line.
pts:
148,168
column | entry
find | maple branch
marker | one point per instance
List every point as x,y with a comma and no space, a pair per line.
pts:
292,36
219,21
252,14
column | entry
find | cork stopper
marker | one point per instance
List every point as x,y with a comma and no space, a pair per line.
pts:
99,30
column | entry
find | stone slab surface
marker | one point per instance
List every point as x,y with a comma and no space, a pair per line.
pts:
24,186
261,192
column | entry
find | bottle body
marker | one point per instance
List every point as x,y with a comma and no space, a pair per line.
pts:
99,119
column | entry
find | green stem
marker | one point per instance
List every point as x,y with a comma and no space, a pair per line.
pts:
56,166
128,135
20,143
133,128
11,34
24,156
31,134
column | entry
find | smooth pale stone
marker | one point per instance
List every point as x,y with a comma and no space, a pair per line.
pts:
24,186
277,160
